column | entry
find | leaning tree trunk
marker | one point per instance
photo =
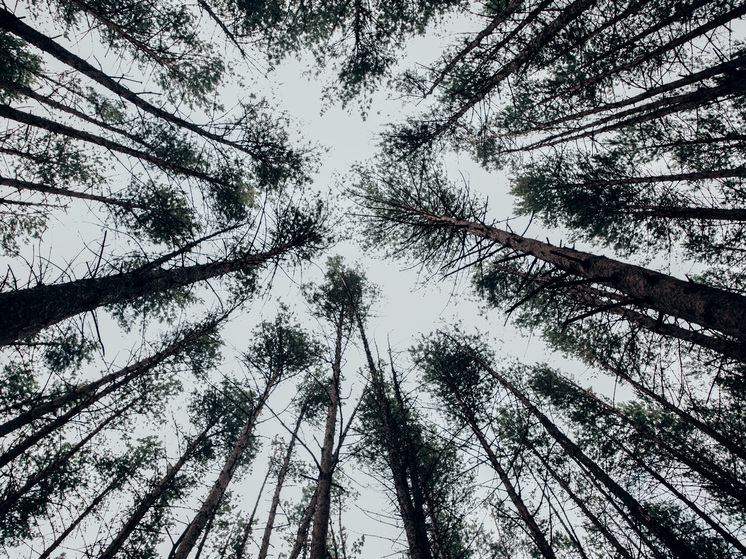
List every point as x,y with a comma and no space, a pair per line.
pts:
153,496
11,499
526,517
711,307
264,548
210,504
121,378
678,547
413,517
27,311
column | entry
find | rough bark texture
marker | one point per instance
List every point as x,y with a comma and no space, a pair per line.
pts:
210,504
676,545
413,517
328,462
710,307
26,311
152,497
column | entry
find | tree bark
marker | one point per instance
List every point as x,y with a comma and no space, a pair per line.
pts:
127,374
678,547
152,496
328,462
26,311
710,307
211,502
10,500
413,517
264,548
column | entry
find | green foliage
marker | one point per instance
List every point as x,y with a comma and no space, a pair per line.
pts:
226,407
160,213
17,383
281,348
68,353
359,41
165,306
17,66
344,295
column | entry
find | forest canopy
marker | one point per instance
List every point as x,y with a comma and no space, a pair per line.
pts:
191,368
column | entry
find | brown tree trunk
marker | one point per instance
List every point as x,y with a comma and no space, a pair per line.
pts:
678,547
211,502
26,311
710,307
328,462
15,451
126,375
264,548
152,496
413,517
10,500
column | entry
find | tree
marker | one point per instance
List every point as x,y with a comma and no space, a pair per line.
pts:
280,351
30,310
337,302
427,216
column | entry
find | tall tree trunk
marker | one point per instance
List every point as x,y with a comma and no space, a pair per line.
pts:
718,476
58,128
708,519
581,504
15,25
122,378
15,451
264,548
413,517
302,535
211,502
26,311
528,519
328,462
678,547
153,495
247,531
566,16
116,482
10,500
692,78
708,306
